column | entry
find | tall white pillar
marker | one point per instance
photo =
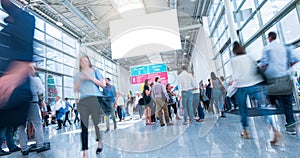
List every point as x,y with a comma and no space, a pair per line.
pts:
230,20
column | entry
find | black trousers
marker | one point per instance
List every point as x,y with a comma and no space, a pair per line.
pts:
174,108
119,110
76,116
67,118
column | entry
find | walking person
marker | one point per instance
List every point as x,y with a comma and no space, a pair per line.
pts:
161,98
120,104
172,102
248,83
110,91
87,83
69,108
34,115
217,92
276,61
60,110
201,105
148,102
75,108
186,85
16,47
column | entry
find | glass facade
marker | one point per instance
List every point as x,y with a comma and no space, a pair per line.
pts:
55,55
253,20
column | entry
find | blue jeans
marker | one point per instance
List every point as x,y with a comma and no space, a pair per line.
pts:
258,93
200,111
9,137
187,103
286,106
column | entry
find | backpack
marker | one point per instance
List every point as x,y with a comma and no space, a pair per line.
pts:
141,101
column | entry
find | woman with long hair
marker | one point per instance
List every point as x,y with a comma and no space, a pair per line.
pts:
217,94
172,102
147,100
248,83
87,83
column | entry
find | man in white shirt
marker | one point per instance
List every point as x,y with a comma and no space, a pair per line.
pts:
186,85
34,115
59,108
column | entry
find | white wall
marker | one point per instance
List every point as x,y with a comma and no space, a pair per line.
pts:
124,80
202,56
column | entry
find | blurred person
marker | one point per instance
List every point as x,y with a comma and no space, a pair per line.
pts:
172,102
34,115
227,99
120,104
16,47
161,98
217,93
69,110
196,98
147,102
139,103
203,97
186,85
200,108
87,83
75,108
248,83
110,91
152,105
60,110
10,142
276,61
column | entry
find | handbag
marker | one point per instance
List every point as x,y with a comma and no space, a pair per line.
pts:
105,104
280,86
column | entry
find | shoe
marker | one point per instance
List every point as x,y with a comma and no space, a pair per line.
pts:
115,126
170,124
25,152
120,120
245,134
98,151
277,138
107,130
185,123
58,128
200,120
162,125
44,148
2,153
15,149
291,131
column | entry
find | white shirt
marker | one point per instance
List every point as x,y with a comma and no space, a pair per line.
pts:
120,101
59,104
244,72
36,87
186,81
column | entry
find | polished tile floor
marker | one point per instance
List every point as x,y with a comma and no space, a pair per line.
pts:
212,138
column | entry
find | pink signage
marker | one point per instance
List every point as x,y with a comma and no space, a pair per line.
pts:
162,75
138,79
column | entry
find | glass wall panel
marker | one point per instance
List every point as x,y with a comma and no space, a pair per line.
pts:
54,55
69,92
40,24
54,66
251,28
290,27
69,61
228,69
68,81
68,70
247,9
39,35
238,2
39,49
69,50
70,41
53,42
255,49
54,32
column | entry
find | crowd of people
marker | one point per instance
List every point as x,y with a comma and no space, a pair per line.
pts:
21,93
